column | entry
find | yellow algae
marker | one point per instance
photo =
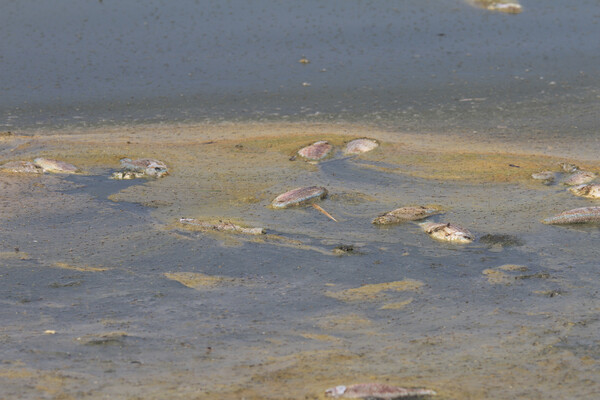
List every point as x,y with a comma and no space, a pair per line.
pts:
497,277
82,268
513,267
396,306
343,322
321,337
197,280
19,255
373,292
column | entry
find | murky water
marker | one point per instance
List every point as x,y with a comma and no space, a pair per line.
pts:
105,295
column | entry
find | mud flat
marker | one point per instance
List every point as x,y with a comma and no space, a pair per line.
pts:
95,267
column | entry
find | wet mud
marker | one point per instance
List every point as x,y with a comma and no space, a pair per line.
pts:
104,295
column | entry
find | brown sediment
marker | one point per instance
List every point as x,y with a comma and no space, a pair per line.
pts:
321,337
396,306
197,280
82,268
373,292
19,255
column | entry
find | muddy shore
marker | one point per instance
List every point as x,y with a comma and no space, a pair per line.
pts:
104,295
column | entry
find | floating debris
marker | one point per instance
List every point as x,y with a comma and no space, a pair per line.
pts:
143,167
547,176
299,196
576,216
447,232
22,167
359,146
345,249
304,60
579,178
319,208
499,5
59,167
404,214
591,191
375,391
316,151
568,167
220,226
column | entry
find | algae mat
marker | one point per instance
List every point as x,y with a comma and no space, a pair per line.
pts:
104,295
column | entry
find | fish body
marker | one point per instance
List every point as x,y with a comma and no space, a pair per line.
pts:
591,191
447,232
299,196
403,214
576,216
316,151
579,178
359,146
544,176
568,167
143,167
22,167
220,226
380,391
498,5
56,166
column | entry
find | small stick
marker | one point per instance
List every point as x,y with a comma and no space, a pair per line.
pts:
324,212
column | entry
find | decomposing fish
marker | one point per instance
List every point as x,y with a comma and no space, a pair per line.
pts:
498,5
359,146
22,167
302,196
591,191
447,232
403,214
544,176
579,178
143,167
576,216
316,151
56,166
220,226
299,196
380,391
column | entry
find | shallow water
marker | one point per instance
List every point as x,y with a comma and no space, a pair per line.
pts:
105,295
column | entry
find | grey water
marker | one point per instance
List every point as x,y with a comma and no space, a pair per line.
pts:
413,64
87,310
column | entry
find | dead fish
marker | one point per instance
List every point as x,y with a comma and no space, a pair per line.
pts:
576,216
591,191
359,146
143,167
22,167
568,167
127,175
579,178
56,166
498,5
316,151
299,196
404,214
220,226
447,232
375,391
544,176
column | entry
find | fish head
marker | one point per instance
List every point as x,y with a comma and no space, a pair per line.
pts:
156,170
335,391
